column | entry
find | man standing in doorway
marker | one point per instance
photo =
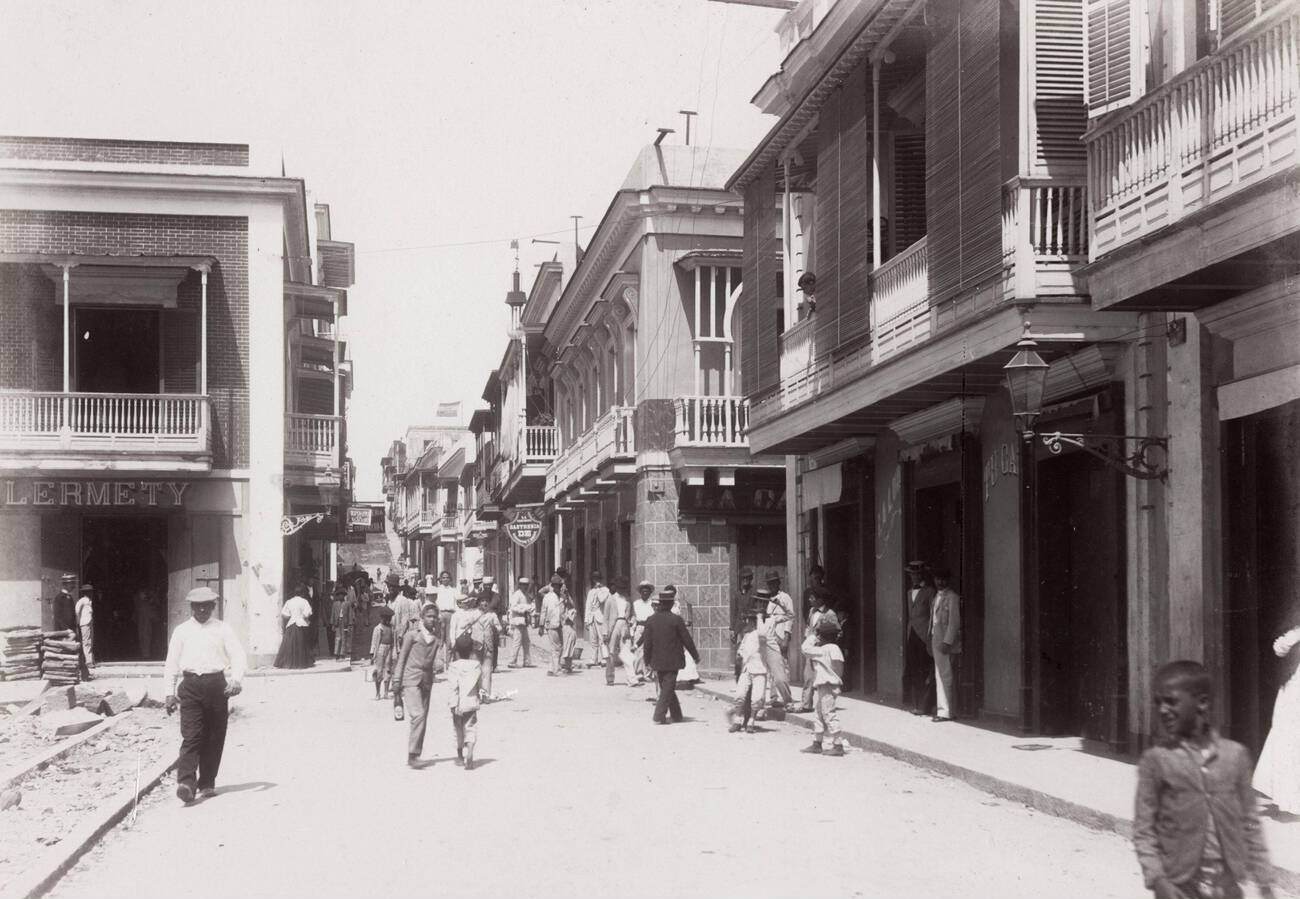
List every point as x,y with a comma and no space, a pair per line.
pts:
945,641
665,644
64,606
205,654
521,606
918,662
85,610
780,621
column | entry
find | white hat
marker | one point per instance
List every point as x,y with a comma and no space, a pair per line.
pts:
201,594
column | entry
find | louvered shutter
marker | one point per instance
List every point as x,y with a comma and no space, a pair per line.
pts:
1237,15
1059,113
909,189
828,219
180,340
853,237
1113,61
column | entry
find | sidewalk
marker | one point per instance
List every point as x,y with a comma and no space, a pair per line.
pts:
1051,774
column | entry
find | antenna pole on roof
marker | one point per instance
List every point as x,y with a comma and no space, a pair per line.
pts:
576,246
688,113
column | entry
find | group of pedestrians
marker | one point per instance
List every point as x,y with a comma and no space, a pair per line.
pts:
933,640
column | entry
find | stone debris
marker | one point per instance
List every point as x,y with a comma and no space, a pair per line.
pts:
58,699
88,697
20,653
69,722
61,657
10,799
116,703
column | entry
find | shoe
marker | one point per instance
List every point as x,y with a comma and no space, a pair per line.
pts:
512,665
610,683
750,729
836,750
551,674
937,720
803,710
207,792
917,712
660,722
735,729
185,793
815,749
412,760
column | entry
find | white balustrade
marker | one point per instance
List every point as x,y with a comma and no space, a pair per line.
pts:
1227,121
312,440
612,436
900,307
538,444
125,422
711,420
797,348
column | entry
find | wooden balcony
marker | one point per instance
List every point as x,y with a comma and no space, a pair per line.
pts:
711,421
68,430
612,439
1226,123
538,444
312,442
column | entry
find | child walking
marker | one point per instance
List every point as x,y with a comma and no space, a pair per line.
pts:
751,685
1196,828
381,652
484,633
827,664
465,676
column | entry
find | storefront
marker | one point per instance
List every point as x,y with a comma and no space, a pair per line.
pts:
142,543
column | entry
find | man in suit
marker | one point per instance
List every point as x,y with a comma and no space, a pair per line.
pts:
918,662
665,644
945,641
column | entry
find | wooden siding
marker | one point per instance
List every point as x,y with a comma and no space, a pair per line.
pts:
761,299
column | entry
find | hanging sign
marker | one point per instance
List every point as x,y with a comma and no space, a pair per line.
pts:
524,526
359,516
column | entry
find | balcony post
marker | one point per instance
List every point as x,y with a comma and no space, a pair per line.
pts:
698,373
726,370
65,427
203,329
1023,240
876,250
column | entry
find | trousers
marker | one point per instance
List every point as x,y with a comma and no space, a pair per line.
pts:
416,700
466,726
620,650
918,675
750,697
556,641
827,721
596,637
88,642
568,641
667,705
520,646
205,709
942,681
777,671
487,661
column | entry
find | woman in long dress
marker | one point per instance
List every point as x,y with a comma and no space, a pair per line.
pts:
1277,775
294,649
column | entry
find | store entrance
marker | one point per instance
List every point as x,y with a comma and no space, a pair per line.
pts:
125,559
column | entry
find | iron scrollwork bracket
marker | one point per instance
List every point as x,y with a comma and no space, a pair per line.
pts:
1113,450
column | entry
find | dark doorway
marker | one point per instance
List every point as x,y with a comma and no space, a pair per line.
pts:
625,548
938,529
117,350
125,558
1081,598
843,577
1262,563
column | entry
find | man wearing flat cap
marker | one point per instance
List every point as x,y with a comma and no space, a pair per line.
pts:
206,656
665,644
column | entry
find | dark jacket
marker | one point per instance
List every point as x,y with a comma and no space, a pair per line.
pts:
666,642
65,612
1176,794
918,612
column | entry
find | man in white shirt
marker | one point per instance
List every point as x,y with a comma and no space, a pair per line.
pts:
201,652
642,608
616,613
593,619
780,617
86,622
550,622
521,606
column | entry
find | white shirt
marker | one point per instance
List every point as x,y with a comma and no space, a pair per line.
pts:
297,610
596,597
85,610
203,649
520,606
447,596
780,609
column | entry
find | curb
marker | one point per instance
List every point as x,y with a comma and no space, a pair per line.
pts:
42,875
18,772
1003,789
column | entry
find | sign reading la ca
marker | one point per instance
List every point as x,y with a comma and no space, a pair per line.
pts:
524,527
28,492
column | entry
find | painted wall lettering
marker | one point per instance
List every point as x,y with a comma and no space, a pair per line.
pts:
1003,461
20,492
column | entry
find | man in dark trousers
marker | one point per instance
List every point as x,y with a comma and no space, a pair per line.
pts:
666,642
65,605
201,653
918,662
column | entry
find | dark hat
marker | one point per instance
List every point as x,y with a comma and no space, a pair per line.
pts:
773,576
668,593
385,613
916,566
942,571
87,588
764,593
201,594
746,571
392,580
828,626
557,581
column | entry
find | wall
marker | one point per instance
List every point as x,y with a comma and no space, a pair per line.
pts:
890,546
76,149
1000,449
760,302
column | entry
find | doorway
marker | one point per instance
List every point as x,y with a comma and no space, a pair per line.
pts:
125,559
938,529
1082,631
843,576
117,350
1261,563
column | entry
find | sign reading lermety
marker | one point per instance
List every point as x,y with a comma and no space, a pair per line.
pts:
28,492
524,527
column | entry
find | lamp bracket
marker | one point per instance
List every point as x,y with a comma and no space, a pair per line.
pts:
1113,450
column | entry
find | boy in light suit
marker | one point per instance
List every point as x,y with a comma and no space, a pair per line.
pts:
945,641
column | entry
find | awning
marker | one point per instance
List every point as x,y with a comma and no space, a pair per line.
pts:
822,486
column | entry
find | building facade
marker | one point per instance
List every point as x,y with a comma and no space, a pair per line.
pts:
940,179
147,285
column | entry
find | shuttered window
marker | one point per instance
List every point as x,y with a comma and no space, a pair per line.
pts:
1059,114
1113,74
1236,15
760,325
909,189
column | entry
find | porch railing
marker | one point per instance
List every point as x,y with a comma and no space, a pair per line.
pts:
312,440
1044,235
125,422
612,436
900,308
711,420
1225,122
538,444
797,347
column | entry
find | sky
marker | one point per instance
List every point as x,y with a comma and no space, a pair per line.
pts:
436,131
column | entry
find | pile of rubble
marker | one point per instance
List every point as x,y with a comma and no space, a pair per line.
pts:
67,710
61,657
20,653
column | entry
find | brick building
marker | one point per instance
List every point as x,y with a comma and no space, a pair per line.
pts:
146,286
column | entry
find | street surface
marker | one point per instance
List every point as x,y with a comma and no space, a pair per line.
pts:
576,793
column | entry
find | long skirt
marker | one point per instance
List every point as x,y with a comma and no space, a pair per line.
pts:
294,651
1277,775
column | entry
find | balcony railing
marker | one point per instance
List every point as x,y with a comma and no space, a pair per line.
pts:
611,437
1224,123
1044,235
797,348
538,444
711,421
900,306
40,421
311,441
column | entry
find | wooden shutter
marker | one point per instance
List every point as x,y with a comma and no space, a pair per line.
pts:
1236,15
761,300
909,189
1113,74
1060,116
943,161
